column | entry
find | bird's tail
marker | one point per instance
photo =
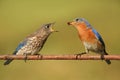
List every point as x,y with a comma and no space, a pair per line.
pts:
107,61
8,61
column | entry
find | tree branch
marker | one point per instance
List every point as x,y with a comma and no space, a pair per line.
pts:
60,57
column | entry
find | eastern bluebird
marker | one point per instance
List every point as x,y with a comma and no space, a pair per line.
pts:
33,43
90,38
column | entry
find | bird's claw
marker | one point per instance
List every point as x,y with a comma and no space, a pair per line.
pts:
77,55
39,56
102,57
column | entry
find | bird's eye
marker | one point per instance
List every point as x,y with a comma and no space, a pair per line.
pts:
47,26
77,20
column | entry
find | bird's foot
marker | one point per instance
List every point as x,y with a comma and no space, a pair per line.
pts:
39,56
102,57
80,54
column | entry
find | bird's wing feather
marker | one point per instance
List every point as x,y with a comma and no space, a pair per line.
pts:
98,36
20,46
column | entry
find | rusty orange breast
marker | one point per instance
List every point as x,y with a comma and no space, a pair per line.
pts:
85,33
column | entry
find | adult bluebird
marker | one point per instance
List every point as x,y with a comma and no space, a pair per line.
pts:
90,38
33,43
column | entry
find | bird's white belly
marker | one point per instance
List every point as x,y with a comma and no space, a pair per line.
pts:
90,46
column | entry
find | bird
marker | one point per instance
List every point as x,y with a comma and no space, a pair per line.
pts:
89,37
34,42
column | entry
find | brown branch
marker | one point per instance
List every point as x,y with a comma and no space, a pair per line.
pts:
60,57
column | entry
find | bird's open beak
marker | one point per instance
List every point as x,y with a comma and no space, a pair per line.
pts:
51,29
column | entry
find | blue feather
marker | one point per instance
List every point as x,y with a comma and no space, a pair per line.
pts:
86,22
83,20
98,36
20,46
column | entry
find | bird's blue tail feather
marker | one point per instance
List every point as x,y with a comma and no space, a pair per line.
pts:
8,61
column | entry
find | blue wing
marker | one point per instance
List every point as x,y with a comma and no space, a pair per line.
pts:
98,36
20,46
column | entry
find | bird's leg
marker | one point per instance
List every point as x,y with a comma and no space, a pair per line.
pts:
39,55
25,59
79,54
102,57
86,51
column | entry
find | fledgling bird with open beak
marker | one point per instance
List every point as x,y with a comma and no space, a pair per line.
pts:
33,43
90,38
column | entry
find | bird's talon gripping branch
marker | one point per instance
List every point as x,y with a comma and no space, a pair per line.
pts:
38,55
80,54
102,57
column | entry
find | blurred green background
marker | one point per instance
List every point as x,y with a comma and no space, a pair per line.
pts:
18,18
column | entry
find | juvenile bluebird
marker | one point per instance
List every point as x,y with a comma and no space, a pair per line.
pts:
33,43
90,38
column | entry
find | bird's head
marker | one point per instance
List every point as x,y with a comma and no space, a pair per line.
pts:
79,22
48,28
